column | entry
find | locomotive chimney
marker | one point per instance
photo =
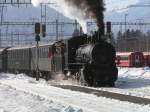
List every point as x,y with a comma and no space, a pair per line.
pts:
101,29
98,36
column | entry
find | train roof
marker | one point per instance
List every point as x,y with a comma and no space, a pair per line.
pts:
146,53
129,53
32,46
2,49
123,53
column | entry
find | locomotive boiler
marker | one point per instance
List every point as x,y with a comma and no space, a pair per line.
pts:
99,67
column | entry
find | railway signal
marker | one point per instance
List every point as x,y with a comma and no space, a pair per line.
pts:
37,28
37,39
40,29
43,30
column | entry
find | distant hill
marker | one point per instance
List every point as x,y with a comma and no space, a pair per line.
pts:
116,11
28,13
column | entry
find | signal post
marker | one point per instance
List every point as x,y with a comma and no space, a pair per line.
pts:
40,29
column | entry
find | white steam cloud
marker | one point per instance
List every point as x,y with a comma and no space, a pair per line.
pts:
66,10
36,2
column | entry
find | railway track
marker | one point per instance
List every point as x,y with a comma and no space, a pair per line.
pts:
111,95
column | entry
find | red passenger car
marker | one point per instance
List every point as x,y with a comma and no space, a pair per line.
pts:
130,59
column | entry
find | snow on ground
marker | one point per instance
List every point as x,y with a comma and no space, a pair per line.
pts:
132,81
12,100
20,93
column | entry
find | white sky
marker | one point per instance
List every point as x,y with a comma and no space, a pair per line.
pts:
116,5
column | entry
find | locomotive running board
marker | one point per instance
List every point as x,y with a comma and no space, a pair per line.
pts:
111,95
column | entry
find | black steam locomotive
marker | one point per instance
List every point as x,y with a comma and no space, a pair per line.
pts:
92,59
99,68
89,58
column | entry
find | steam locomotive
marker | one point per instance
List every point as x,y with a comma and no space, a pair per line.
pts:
93,60
89,58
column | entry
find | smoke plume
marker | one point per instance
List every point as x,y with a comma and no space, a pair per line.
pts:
81,10
91,9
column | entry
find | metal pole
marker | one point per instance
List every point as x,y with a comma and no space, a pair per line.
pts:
11,39
56,29
2,9
125,32
7,34
0,38
126,22
18,39
37,61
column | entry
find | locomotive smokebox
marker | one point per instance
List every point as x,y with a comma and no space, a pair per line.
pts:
99,53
